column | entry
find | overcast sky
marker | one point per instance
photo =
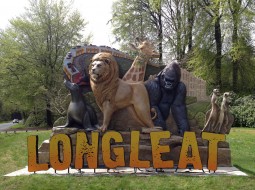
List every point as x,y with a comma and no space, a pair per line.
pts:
96,12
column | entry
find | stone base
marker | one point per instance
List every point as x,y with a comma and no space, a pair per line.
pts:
145,152
226,171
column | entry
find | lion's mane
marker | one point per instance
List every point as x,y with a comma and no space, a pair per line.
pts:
105,87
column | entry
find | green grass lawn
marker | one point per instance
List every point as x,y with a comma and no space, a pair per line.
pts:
18,126
4,122
13,156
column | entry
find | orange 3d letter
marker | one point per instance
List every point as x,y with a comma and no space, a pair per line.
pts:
32,147
189,152
118,151
60,143
158,149
83,147
134,152
213,148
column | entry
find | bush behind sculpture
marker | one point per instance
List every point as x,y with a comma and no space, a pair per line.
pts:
243,109
36,120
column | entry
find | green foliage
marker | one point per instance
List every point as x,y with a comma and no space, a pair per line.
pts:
36,119
60,121
194,44
178,23
243,111
5,115
18,126
155,4
201,106
237,60
190,100
200,117
242,52
32,51
197,111
201,62
132,19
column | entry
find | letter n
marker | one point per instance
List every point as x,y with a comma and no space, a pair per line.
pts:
83,147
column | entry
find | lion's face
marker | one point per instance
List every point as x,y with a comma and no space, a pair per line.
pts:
97,70
103,66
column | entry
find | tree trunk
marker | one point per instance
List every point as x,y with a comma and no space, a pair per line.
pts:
217,62
24,116
179,46
191,17
234,60
48,114
160,37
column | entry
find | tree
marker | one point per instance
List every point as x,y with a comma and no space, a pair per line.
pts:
33,49
191,6
238,8
154,8
235,49
179,18
137,18
214,8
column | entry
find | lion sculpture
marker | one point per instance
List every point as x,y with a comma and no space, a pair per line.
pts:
112,93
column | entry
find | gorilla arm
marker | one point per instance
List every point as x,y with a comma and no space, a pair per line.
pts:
179,110
155,95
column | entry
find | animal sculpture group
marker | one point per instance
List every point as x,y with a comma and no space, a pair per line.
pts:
122,103
219,119
151,101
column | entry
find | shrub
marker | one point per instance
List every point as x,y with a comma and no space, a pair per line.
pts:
36,120
191,100
200,117
243,109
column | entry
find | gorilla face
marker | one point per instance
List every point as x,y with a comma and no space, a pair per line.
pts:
169,80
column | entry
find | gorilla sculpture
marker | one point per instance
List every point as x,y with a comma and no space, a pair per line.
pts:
166,93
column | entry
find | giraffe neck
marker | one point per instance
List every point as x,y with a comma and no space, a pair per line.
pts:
136,72
140,60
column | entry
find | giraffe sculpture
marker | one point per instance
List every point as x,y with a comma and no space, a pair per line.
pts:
137,70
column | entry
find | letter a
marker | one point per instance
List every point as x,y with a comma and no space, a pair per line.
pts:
189,140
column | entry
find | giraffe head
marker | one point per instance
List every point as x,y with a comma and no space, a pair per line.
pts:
146,48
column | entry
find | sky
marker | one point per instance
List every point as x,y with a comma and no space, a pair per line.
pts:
96,12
